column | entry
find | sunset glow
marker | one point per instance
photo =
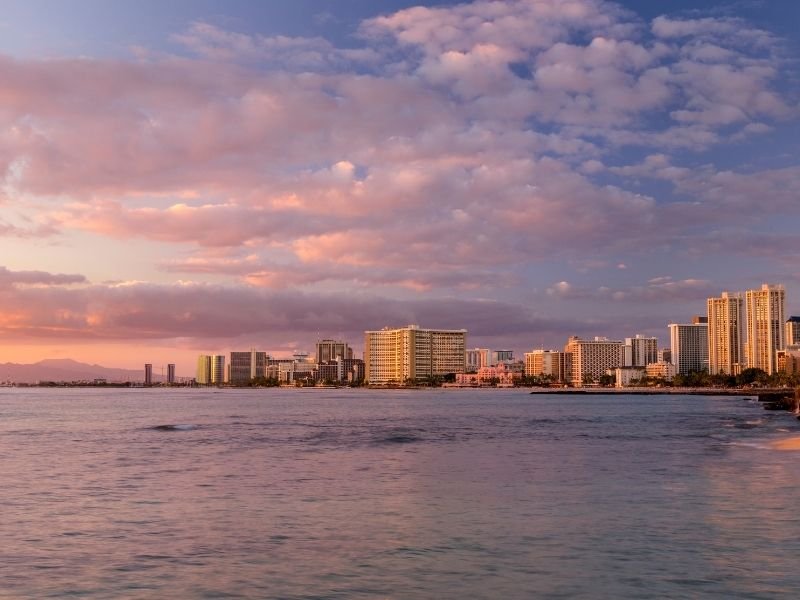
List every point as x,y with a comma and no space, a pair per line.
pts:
526,170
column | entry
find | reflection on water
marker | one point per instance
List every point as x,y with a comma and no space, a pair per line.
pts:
360,494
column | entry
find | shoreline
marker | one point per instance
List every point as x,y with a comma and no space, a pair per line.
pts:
661,391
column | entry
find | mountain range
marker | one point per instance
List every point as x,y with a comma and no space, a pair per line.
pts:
65,369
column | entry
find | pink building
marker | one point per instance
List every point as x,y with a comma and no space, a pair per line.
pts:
501,374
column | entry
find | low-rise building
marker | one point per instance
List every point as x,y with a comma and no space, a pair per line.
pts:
500,374
789,359
627,376
662,370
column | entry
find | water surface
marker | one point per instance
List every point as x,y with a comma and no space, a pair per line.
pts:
393,494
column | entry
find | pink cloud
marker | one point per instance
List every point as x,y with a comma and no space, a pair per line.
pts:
462,145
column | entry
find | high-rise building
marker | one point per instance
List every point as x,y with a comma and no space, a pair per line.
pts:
352,370
765,326
792,332
170,373
328,350
477,358
246,366
665,355
502,356
640,351
210,369
591,359
726,334
345,370
412,354
551,363
148,374
689,347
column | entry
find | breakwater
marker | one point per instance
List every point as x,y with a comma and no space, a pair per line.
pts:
637,391
781,400
787,399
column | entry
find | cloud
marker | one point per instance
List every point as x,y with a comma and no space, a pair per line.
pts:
715,28
455,148
656,290
215,315
293,53
41,278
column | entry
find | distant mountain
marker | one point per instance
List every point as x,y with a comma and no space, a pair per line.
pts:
65,369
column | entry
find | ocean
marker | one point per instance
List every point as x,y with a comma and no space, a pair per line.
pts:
335,494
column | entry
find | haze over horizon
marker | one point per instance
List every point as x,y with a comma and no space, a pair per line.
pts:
203,176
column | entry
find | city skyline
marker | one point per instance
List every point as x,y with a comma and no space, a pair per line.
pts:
179,180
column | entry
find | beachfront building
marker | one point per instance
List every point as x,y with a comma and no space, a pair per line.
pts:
148,374
210,369
553,364
171,373
639,351
246,366
412,354
627,376
591,359
726,334
501,374
689,346
661,370
328,350
766,326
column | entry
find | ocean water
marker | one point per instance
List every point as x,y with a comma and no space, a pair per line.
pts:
394,494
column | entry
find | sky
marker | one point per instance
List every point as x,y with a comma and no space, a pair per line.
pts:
202,176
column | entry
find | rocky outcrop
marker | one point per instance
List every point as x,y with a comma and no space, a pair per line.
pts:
788,400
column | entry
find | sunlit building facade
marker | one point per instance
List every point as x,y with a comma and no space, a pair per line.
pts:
412,354
766,322
591,359
210,369
726,319
661,370
549,363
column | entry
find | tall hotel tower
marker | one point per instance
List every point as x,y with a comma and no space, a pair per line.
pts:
726,334
591,359
211,369
765,326
689,344
411,354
